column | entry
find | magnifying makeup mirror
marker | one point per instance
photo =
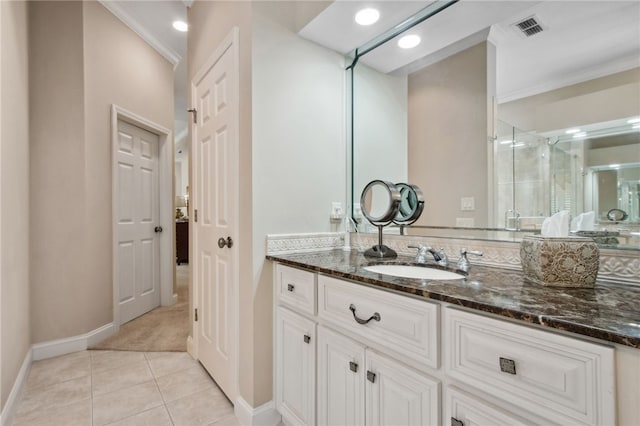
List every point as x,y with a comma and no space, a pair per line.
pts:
383,203
411,204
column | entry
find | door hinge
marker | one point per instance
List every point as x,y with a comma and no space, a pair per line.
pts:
195,215
195,315
195,115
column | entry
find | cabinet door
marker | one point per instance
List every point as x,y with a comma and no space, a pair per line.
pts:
340,379
295,367
397,395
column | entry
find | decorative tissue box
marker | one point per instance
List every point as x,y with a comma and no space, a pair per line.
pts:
560,261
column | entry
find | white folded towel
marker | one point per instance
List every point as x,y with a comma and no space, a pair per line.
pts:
584,221
556,225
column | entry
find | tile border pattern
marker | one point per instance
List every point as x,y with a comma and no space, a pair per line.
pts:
296,243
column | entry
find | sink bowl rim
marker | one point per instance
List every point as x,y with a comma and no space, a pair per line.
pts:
433,267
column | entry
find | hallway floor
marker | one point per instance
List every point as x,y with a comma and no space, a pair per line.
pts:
98,388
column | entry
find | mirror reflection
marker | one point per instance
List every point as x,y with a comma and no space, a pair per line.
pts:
502,128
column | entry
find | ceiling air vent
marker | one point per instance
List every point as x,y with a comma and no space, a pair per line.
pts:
529,26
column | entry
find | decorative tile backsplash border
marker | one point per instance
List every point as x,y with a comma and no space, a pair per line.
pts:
292,243
621,266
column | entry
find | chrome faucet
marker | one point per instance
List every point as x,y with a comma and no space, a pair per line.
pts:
463,263
439,256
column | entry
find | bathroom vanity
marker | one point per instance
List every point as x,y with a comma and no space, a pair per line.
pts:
359,347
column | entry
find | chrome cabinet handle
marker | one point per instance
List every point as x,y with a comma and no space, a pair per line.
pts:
375,316
353,366
157,229
290,287
307,338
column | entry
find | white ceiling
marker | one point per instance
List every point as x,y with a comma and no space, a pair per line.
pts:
581,39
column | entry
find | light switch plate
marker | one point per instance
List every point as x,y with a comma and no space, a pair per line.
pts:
467,204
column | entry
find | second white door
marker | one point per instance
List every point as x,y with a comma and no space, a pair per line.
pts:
137,221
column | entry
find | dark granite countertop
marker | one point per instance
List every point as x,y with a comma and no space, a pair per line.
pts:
608,311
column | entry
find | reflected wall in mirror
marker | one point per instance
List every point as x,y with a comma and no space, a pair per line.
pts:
483,128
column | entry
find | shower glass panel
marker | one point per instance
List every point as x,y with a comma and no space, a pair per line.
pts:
520,175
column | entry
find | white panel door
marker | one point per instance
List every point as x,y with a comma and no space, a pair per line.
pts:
397,395
137,216
215,141
295,367
340,379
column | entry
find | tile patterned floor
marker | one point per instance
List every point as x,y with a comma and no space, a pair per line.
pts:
96,388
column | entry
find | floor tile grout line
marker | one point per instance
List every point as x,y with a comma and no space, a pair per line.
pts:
164,402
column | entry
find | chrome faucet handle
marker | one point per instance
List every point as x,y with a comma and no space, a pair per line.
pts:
444,259
421,254
463,263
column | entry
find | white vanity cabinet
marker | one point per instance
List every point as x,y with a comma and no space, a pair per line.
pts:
295,332
357,386
296,367
565,380
351,354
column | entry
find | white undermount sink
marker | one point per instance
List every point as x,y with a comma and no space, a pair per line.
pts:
412,271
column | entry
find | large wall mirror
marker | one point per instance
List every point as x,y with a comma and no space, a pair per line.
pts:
505,112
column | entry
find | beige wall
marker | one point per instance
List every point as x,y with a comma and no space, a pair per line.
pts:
119,68
58,278
14,193
209,24
448,127
83,60
607,98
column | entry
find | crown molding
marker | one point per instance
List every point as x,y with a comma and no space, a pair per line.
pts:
168,53
605,69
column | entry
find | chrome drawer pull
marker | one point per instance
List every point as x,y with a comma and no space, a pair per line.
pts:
507,365
353,366
371,376
290,287
307,338
375,316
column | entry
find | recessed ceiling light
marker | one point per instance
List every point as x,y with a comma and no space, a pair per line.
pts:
634,120
409,41
572,131
180,26
614,166
580,134
367,16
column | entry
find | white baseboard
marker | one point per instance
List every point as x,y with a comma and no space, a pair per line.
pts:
10,407
68,345
191,350
264,415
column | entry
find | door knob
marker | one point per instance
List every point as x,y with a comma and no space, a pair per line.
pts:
157,229
225,242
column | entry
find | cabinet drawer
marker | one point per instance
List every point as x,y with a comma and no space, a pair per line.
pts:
564,379
467,410
296,288
406,327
